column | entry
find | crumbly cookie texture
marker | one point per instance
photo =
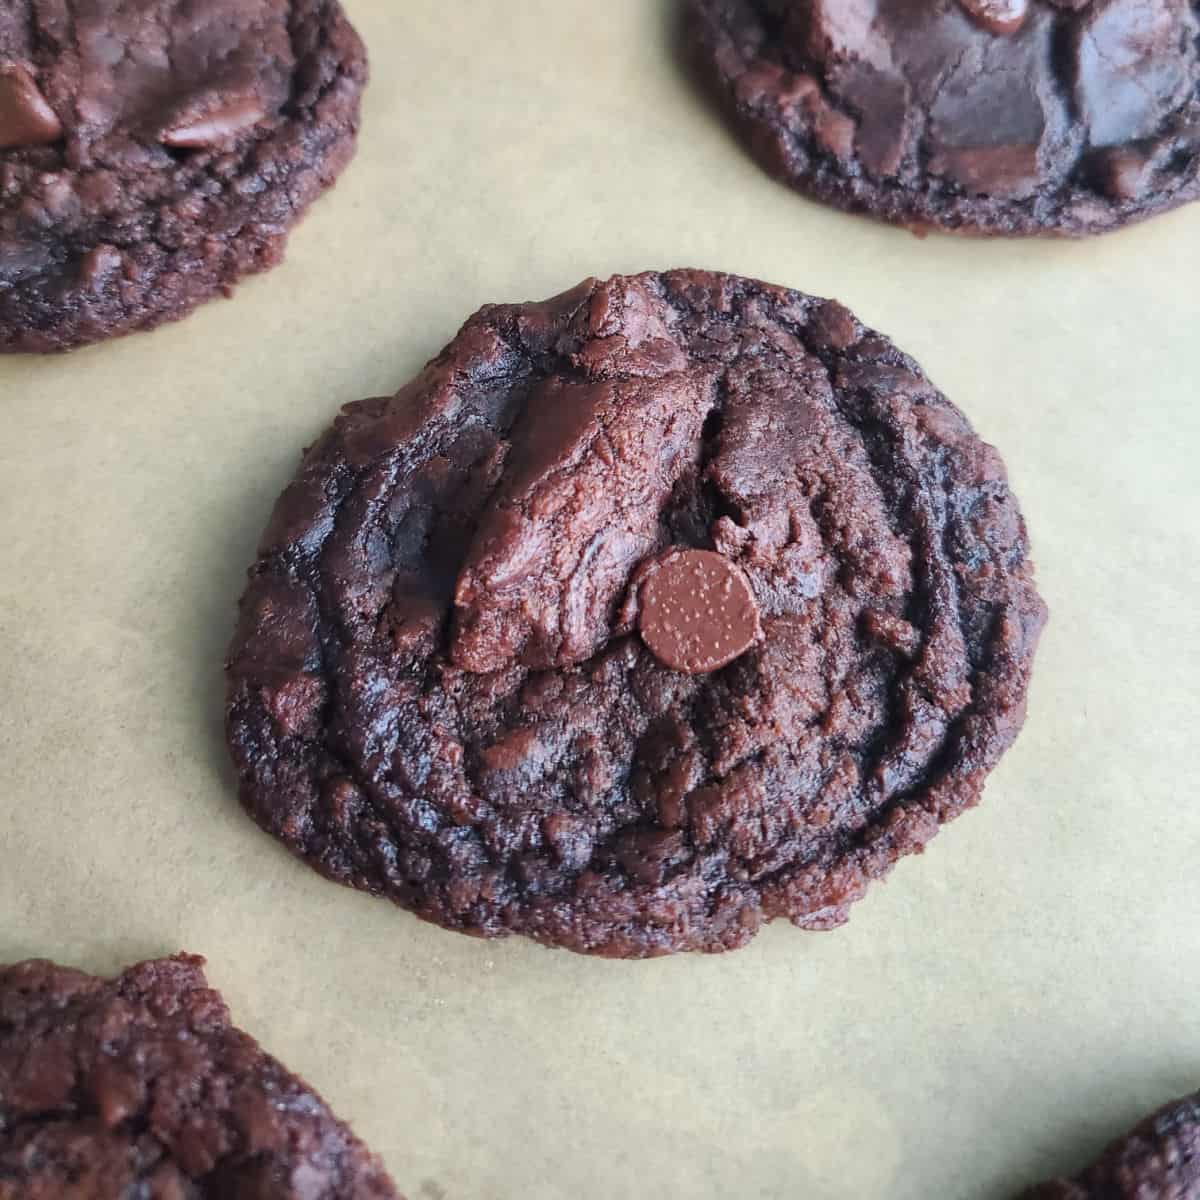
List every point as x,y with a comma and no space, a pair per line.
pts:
643,615
1157,1160
985,116
154,153
139,1086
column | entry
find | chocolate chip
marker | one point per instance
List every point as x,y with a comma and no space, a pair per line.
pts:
1123,172
835,131
26,119
998,16
834,326
98,266
204,125
697,612
116,1091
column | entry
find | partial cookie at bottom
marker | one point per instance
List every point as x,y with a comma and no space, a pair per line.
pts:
1159,1159
139,1086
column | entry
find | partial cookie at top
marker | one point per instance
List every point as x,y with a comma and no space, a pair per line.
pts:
139,1087
642,616
1159,1159
985,116
154,153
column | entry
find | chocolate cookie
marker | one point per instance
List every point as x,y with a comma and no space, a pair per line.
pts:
1158,1160
985,116
643,615
153,153
139,1087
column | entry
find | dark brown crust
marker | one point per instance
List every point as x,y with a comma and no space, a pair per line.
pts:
579,792
97,243
754,81
140,1087
1157,1160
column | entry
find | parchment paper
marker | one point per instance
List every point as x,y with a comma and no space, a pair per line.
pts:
996,1011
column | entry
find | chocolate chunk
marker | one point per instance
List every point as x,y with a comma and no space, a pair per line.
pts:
592,465
26,118
836,31
992,116
271,87
139,1086
213,123
976,115
697,612
1159,1159
1135,66
644,615
882,102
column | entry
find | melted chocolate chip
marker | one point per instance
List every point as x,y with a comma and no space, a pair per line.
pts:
697,612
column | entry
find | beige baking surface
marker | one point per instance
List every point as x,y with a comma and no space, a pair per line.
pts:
994,1012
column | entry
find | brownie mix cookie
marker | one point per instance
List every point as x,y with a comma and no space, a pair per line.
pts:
988,116
138,1088
152,152
643,615
1158,1160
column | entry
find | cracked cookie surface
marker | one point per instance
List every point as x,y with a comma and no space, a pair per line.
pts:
139,1086
445,686
984,116
152,153
1159,1159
